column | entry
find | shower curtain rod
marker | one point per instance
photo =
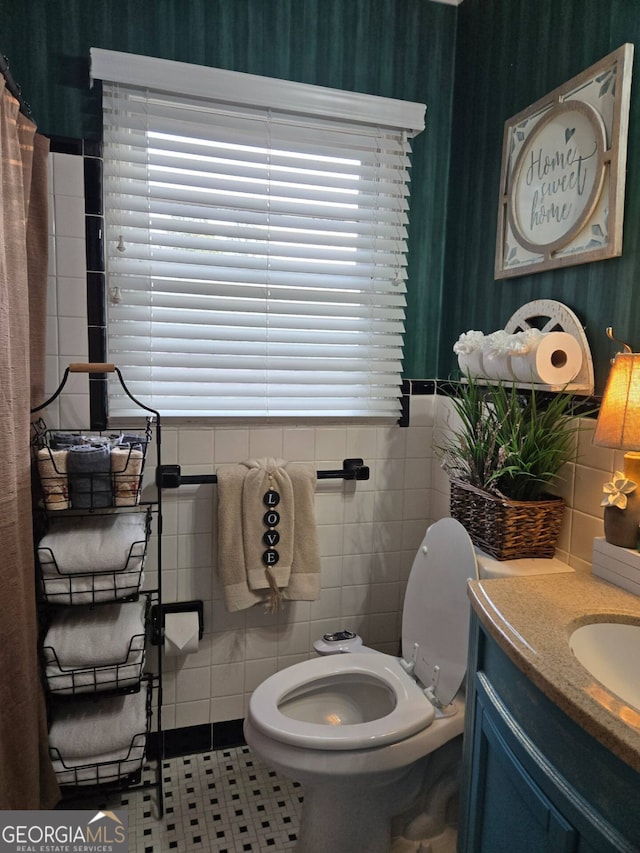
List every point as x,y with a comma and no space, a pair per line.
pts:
13,87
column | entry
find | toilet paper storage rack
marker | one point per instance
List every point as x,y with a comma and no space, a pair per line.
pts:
549,315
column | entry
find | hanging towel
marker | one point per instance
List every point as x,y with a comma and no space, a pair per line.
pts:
89,470
241,527
231,563
52,468
262,476
304,582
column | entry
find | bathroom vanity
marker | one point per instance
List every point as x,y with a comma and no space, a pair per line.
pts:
551,756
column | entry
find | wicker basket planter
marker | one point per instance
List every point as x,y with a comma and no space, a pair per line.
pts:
506,529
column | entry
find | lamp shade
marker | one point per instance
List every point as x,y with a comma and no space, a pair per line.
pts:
619,418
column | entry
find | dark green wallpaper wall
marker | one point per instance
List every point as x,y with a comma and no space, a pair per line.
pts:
396,48
509,54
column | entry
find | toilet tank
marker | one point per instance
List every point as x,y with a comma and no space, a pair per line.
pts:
489,567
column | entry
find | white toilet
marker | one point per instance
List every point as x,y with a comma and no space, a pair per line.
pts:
355,727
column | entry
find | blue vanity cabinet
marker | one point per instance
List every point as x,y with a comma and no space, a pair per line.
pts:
533,780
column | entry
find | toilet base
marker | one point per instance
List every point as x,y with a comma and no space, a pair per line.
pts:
357,818
351,797
446,842
430,824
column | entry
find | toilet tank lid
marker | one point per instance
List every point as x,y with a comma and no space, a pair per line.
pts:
489,567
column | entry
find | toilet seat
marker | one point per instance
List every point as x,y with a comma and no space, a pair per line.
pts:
411,710
435,618
323,703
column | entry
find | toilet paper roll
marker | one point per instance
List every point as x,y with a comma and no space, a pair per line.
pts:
555,360
497,367
181,633
470,363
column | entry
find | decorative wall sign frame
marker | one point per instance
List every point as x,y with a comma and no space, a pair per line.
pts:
563,173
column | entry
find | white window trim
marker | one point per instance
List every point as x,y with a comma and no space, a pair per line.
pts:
252,90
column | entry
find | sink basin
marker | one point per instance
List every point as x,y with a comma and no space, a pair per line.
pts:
610,651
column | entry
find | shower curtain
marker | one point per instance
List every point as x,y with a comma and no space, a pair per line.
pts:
27,780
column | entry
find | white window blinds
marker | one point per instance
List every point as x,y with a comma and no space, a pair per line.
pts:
255,243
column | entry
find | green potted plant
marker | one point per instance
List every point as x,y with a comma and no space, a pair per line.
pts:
501,459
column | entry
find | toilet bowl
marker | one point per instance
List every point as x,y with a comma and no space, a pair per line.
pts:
358,701
355,726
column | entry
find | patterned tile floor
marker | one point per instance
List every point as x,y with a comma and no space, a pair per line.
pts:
223,802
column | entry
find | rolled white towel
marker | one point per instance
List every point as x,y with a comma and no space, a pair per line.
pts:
126,469
52,469
89,472
92,588
83,730
102,543
95,679
100,769
81,637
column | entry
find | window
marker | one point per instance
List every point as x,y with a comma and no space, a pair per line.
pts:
256,241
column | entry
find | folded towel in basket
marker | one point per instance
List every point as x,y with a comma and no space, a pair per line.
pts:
100,769
64,440
94,588
89,470
83,730
126,467
131,439
94,679
83,636
101,543
52,469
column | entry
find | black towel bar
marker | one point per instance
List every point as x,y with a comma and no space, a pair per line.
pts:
170,476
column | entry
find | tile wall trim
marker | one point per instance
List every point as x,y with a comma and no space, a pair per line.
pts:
192,739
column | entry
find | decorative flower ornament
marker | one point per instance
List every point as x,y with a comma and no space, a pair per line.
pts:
469,342
615,492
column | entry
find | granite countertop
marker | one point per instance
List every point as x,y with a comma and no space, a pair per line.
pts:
531,619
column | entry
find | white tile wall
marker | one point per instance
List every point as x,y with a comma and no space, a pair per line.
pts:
368,531
66,340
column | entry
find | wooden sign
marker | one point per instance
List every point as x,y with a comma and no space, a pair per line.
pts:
563,173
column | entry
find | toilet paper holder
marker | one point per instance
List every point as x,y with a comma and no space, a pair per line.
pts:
549,315
158,612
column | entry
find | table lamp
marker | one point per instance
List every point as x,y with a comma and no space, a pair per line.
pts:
618,426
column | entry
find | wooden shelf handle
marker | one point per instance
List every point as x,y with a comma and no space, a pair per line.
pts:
91,367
